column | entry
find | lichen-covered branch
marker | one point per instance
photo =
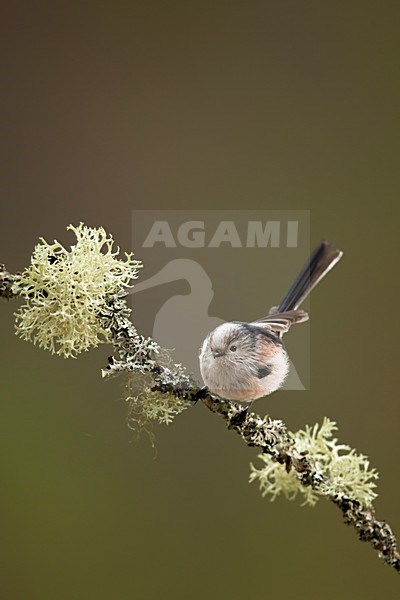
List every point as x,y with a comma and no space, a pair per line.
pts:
76,299
269,435
343,471
272,438
9,285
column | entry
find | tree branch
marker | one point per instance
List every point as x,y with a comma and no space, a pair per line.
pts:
139,354
8,286
271,436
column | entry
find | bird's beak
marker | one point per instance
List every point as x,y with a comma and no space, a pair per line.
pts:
217,353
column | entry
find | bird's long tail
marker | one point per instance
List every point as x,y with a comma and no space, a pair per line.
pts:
322,260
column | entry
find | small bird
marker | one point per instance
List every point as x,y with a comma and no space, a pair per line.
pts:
245,361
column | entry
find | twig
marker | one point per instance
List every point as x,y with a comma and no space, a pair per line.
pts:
271,436
8,286
273,439
136,353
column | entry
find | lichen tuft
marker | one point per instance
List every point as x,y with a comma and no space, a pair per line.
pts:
341,471
65,290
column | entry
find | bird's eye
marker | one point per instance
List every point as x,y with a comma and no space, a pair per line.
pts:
233,348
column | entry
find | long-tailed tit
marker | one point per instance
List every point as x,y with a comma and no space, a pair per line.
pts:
245,361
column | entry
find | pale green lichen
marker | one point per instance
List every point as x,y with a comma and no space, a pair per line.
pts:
162,407
343,472
148,404
65,291
144,362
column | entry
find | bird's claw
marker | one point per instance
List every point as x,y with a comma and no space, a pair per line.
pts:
200,394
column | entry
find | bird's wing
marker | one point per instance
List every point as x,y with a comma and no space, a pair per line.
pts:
281,322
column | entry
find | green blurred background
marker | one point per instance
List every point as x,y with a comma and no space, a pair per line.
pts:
110,107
